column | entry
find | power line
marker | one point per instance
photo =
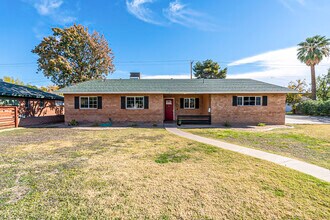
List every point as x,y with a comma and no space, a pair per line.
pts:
175,62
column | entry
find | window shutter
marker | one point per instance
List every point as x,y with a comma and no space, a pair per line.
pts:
234,100
123,102
146,102
197,103
181,102
99,102
264,100
76,102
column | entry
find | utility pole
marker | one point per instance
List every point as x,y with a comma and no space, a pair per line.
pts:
191,63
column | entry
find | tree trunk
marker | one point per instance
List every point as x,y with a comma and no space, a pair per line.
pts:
313,82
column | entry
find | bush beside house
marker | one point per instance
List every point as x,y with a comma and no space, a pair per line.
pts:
313,107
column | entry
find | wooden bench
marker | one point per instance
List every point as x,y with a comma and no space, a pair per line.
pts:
194,119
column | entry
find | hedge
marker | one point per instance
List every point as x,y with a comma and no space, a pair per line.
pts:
312,107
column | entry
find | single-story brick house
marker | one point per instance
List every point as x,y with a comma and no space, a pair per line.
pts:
236,101
34,106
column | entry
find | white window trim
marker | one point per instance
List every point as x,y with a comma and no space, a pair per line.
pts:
59,101
184,101
134,108
88,102
255,104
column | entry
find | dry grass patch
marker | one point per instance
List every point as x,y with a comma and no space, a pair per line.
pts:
116,174
310,143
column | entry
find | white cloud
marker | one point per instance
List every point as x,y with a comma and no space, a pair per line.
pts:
176,12
177,76
47,7
278,66
179,13
139,9
54,10
290,4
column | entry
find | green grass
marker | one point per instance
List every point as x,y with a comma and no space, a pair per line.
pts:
145,174
310,143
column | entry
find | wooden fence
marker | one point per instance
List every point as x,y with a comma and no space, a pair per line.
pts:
8,117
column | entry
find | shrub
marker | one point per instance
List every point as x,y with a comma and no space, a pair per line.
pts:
73,122
261,124
134,124
312,107
95,124
227,124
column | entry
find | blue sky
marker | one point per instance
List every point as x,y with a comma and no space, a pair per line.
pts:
254,39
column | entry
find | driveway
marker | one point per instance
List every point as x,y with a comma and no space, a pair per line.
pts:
303,119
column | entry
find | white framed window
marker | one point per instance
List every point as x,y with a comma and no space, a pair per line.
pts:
9,102
59,103
134,102
248,100
189,103
88,102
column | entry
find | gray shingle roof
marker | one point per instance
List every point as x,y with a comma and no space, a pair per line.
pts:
174,86
9,89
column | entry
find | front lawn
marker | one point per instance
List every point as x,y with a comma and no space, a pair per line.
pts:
310,143
145,174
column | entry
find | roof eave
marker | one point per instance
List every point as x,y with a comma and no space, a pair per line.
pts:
229,92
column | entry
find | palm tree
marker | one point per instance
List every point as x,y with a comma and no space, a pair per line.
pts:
311,52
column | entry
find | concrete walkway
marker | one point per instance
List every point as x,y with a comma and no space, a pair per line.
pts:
313,170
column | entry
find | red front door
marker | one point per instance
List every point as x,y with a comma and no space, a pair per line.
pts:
168,109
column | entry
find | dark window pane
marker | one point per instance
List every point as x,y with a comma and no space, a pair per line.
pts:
130,102
252,100
239,100
92,102
246,101
84,102
258,100
186,103
192,103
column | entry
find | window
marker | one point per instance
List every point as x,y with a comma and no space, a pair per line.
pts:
189,103
136,102
27,103
249,100
42,103
88,102
59,103
8,102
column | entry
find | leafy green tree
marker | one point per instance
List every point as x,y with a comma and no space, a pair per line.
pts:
311,52
73,55
294,98
209,69
323,87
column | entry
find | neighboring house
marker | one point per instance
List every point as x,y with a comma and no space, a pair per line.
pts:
34,106
236,101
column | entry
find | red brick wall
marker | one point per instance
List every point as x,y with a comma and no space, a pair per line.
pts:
111,108
34,109
223,111
40,120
